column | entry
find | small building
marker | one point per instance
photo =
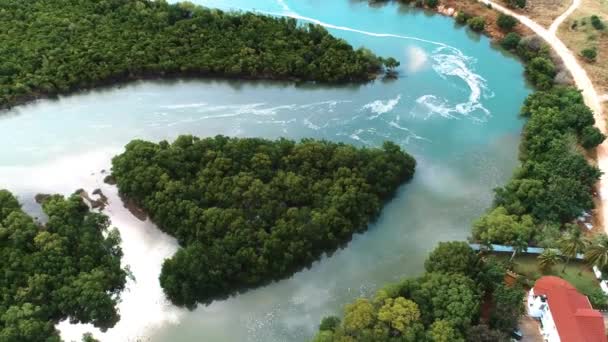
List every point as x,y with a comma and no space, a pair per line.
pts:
565,315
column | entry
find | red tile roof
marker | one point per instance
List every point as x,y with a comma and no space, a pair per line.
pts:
575,319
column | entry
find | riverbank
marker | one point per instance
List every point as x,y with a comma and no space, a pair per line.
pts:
143,306
583,82
463,159
146,39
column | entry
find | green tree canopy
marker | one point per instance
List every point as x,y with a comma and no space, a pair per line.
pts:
249,211
498,226
53,47
399,313
66,268
453,256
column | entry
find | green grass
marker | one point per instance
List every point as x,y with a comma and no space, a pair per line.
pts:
576,273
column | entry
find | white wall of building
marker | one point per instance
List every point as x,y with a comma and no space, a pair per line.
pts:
539,308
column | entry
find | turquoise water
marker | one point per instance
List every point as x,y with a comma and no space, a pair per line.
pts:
454,107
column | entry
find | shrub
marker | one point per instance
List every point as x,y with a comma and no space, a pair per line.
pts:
477,23
462,17
591,137
574,25
540,72
510,41
590,54
506,22
597,23
597,298
516,3
530,47
431,3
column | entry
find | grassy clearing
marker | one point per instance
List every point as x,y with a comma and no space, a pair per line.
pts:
543,12
578,34
577,273
475,8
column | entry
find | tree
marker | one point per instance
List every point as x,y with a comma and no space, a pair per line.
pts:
510,41
506,22
519,245
548,258
359,316
540,72
572,243
499,227
453,256
137,39
452,297
329,323
477,23
483,333
391,64
508,307
399,313
442,331
250,211
596,253
462,17
591,137
67,268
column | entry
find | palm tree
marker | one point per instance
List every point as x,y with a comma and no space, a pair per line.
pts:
519,245
571,244
597,252
548,258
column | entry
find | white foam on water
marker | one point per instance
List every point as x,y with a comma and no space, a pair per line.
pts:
143,307
311,125
449,62
184,106
417,59
380,107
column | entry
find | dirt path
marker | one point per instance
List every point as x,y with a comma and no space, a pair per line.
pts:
583,82
559,20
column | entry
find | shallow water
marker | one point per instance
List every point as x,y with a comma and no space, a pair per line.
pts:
454,108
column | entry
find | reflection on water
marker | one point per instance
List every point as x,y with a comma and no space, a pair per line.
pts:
451,107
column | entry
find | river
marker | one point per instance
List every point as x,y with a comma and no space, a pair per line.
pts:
454,107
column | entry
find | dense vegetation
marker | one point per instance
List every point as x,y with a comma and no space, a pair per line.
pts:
51,47
554,183
443,305
248,211
68,268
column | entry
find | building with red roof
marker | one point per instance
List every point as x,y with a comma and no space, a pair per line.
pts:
565,315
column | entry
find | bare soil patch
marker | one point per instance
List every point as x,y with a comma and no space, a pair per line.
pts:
578,34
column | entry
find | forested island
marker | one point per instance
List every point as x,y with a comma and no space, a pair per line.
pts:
54,47
250,211
67,268
442,305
